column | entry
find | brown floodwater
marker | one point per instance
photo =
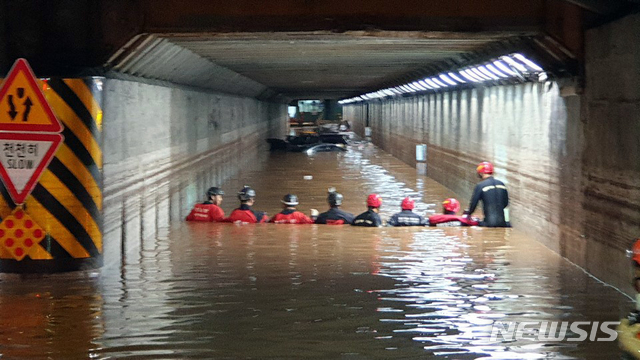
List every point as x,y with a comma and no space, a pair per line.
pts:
226,291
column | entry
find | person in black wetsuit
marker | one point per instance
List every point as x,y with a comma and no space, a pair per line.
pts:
494,197
370,217
335,216
407,217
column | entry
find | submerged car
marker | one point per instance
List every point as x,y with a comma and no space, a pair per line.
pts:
304,142
325,148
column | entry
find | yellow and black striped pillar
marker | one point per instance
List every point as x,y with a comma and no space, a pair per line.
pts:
67,201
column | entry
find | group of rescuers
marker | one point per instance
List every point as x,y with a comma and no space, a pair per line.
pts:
492,192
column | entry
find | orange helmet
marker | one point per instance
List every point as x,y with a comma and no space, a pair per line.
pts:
636,251
485,167
374,200
451,205
408,204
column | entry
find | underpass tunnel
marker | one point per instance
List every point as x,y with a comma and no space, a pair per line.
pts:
547,90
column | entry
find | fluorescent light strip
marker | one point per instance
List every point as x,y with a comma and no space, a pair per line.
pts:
479,74
528,62
417,84
496,71
468,76
447,79
504,68
433,85
456,78
487,72
439,82
424,83
514,63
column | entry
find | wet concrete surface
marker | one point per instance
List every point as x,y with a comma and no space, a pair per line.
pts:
227,291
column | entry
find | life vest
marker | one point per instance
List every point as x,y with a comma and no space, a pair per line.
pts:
207,211
291,217
451,220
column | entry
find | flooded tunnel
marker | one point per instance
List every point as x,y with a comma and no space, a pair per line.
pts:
161,100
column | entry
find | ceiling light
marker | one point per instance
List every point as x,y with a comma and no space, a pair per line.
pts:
528,62
487,72
433,85
456,78
448,80
439,82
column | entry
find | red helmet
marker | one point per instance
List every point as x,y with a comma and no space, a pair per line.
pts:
485,167
636,251
408,204
374,200
452,205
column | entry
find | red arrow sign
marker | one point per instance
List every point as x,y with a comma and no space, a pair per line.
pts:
23,159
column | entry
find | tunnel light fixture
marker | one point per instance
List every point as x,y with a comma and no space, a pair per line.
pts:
495,71
447,79
438,82
424,83
432,84
479,74
485,71
527,62
514,64
507,67
417,84
469,76
456,78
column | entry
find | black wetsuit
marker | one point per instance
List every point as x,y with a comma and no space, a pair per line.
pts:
368,218
335,216
407,218
495,198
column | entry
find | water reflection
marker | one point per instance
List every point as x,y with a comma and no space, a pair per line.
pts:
223,291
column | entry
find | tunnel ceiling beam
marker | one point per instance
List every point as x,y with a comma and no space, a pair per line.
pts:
602,7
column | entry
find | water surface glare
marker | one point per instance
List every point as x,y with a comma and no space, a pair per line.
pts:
225,291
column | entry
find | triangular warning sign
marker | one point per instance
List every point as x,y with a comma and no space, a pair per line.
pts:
22,104
23,159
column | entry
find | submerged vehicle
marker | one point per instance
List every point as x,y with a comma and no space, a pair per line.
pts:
304,142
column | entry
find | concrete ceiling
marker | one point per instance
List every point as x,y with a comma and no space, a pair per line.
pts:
326,65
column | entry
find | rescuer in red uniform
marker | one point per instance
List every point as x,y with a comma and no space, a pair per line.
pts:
449,217
334,216
209,210
245,214
290,215
370,217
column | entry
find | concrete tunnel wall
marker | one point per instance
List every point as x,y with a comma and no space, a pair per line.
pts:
164,146
571,163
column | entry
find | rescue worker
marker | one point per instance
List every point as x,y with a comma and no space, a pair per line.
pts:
370,217
407,217
634,316
245,213
449,217
335,215
290,215
494,197
209,210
